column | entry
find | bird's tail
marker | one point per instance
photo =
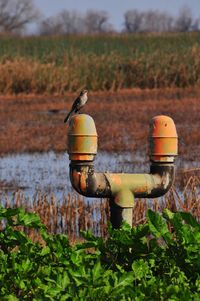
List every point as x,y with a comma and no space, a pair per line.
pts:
67,117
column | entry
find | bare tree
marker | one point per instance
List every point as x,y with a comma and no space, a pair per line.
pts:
184,20
133,20
72,22
195,25
97,22
149,21
166,22
16,14
50,26
65,22
156,21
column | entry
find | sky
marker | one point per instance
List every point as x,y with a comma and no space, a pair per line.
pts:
116,8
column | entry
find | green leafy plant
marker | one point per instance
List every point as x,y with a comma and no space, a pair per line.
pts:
147,262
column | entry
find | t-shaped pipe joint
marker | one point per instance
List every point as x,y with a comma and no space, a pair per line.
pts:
121,188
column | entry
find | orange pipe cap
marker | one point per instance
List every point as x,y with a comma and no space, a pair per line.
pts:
163,138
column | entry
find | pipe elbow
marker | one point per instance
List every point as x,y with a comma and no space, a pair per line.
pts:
89,183
78,181
163,178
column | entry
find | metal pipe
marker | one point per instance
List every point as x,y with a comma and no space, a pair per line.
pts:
121,188
89,183
119,214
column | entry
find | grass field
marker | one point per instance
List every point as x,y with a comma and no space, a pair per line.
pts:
63,64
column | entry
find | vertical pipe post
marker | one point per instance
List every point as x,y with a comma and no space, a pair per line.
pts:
121,208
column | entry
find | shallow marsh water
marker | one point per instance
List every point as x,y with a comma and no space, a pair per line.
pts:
49,172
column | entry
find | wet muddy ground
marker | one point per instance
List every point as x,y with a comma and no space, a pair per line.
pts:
35,124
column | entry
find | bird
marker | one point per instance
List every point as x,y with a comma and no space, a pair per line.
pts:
79,102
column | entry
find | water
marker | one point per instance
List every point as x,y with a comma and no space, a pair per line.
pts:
49,172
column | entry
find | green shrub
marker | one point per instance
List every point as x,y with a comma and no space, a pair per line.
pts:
144,263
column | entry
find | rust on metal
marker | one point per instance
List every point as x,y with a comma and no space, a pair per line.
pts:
83,182
83,147
121,188
104,185
75,180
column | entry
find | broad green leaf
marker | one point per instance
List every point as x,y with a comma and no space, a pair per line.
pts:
22,285
97,271
45,251
8,212
158,226
65,280
122,283
168,214
29,219
10,298
140,268
26,265
190,220
65,297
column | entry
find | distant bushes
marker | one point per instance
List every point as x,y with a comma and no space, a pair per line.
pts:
60,64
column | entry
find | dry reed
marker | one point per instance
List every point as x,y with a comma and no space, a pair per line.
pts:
75,214
111,72
48,65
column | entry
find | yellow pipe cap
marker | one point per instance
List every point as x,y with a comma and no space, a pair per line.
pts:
82,138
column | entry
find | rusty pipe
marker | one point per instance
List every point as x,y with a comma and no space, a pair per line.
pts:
86,181
82,148
121,188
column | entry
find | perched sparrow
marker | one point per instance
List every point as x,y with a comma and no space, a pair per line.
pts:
79,102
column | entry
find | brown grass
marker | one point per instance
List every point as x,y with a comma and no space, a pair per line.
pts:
57,65
70,216
74,214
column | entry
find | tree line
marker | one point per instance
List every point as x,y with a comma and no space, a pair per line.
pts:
15,15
